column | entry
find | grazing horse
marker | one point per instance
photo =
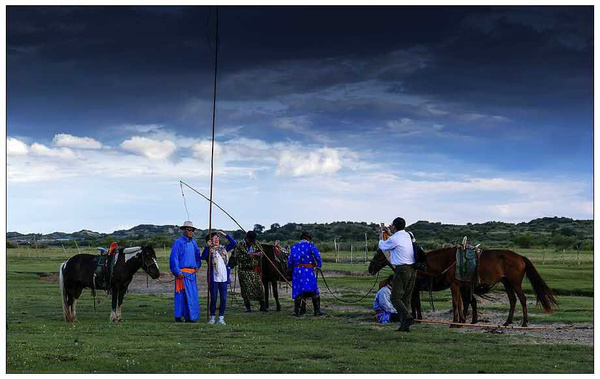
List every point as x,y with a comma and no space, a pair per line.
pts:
495,266
274,269
77,273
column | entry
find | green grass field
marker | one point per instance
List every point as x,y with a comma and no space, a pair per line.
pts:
347,340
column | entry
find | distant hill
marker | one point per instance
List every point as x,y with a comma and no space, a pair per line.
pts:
559,232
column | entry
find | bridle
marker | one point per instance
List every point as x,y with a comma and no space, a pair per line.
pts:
145,264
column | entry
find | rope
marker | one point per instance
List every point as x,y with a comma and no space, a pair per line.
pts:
346,301
184,202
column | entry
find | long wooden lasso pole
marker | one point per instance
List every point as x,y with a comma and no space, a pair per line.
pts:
212,156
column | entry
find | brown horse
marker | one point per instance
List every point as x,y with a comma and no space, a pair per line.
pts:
425,282
274,269
495,266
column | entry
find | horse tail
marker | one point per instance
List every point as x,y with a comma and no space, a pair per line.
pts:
543,293
63,292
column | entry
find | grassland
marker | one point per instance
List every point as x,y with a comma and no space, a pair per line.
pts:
345,341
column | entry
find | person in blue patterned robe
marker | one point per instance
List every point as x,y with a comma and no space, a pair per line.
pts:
304,258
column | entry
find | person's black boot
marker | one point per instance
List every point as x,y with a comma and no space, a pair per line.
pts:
178,319
262,306
316,300
297,302
247,305
405,326
303,307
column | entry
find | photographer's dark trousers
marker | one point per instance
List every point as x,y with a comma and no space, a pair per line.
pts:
402,287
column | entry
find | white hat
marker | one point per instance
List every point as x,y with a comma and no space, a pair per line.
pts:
187,224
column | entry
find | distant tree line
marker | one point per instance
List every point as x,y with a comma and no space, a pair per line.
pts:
549,232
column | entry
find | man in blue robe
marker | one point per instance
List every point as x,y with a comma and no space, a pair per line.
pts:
303,259
184,263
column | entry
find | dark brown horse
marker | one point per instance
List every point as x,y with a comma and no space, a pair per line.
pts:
496,266
274,269
78,273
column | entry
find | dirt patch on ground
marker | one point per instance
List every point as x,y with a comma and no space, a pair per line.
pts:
142,283
570,334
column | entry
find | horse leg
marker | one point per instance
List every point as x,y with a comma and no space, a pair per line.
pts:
69,317
456,304
73,306
474,309
416,304
464,297
266,286
276,295
469,299
512,300
122,292
523,300
113,312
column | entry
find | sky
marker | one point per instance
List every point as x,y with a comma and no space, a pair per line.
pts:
346,113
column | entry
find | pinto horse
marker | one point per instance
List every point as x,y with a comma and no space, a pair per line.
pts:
495,266
77,273
274,269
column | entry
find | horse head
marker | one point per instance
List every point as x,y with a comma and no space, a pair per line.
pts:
149,263
379,261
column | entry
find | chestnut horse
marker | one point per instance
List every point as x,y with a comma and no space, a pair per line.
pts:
495,266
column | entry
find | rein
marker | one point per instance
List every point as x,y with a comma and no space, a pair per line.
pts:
346,301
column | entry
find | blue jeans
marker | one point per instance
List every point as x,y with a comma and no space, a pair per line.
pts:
222,289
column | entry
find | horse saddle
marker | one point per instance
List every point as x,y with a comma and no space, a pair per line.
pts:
467,261
103,271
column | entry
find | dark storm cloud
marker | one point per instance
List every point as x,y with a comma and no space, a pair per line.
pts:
350,64
499,58
116,38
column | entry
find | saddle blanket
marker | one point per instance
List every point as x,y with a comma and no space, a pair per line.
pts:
466,264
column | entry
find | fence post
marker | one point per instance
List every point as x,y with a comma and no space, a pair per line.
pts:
366,248
335,250
350,253
544,256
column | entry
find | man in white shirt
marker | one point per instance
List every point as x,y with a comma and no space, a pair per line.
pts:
402,258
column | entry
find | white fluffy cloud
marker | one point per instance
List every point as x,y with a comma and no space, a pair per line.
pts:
44,151
68,140
150,148
202,150
322,161
15,147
